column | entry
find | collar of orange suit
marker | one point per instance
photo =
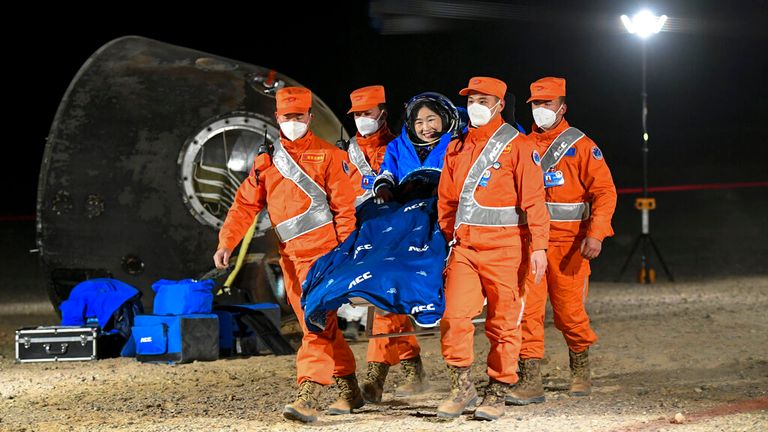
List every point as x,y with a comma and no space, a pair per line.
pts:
550,134
486,131
298,145
479,135
381,137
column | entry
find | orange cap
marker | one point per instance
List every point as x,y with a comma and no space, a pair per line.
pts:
293,100
486,85
366,98
547,88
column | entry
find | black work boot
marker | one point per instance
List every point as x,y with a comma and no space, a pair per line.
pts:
581,376
303,409
414,382
529,388
349,396
373,383
492,406
463,393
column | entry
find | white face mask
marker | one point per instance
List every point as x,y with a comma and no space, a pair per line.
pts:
544,117
293,130
480,115
367,125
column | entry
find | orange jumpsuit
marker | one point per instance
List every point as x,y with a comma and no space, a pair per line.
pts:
326,354
587,179
384,350
485,260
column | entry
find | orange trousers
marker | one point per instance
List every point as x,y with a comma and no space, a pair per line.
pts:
322,355
470,277
392,349
567,283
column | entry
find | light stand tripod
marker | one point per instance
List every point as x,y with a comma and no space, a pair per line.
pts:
645,204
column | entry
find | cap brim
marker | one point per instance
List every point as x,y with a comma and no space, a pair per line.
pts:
365,107
544,97
295,110
466,91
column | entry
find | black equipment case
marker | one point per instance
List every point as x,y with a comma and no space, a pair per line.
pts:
55,343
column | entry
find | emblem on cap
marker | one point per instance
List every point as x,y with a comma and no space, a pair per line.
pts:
476,81
290,99
596,153
537,158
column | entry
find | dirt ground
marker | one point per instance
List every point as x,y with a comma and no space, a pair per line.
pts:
698,349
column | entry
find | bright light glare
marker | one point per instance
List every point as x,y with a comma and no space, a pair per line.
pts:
644,23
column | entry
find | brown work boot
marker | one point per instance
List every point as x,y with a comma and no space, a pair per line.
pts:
581,377
349,396
373,383
414,382
303,408
492,406
529,388
463,393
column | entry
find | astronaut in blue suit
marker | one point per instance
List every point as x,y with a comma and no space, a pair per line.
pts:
413,161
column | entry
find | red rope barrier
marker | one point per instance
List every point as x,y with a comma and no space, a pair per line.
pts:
679,188
17,218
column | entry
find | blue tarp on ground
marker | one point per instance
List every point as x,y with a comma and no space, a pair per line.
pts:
394,260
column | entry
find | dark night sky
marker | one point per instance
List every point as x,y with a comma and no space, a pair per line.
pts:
708,96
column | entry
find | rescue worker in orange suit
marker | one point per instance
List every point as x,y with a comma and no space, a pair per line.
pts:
581,199
490,186
304,182
366,153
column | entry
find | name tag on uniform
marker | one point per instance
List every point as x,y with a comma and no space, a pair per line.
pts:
484,179
571,152
367,182
553,178
313,157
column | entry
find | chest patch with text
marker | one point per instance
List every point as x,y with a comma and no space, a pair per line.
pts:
313,157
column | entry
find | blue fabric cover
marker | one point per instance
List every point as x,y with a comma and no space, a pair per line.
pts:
395,261
182,297
95,298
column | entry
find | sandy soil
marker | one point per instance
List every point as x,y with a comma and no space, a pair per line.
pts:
698,349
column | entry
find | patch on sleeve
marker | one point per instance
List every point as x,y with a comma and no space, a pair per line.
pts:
313,157
536,158
345,167
596,153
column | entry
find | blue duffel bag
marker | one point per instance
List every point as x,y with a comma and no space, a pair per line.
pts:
183,297
176,339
